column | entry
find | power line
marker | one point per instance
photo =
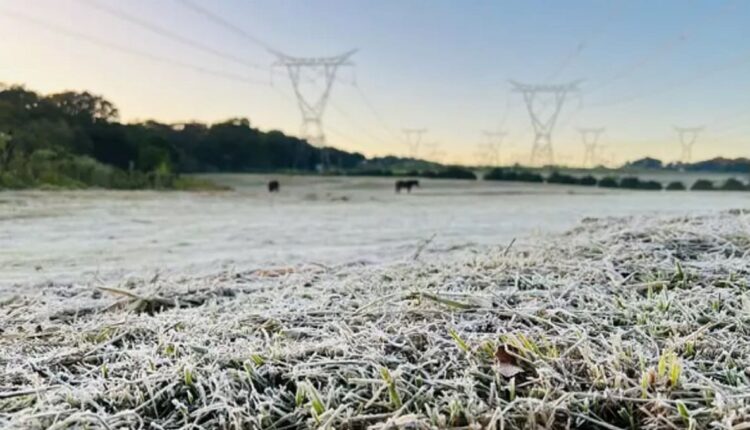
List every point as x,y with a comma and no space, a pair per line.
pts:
130,51
221,21
583,44
745,59
171,35
226,24
375,112
356,123
658,52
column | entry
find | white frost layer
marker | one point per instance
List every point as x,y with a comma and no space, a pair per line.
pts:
89,235
639,323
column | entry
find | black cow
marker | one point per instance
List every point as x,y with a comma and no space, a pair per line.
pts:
273,186
408,184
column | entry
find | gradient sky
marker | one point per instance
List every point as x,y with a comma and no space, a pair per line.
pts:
441,65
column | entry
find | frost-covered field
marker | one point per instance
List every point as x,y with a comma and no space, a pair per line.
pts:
620,323
91,236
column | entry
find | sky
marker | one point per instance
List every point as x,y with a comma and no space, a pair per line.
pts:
444,66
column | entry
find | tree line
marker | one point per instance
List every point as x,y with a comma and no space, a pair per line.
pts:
76,138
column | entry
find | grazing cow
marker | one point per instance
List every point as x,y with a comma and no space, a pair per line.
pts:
406,184
273,186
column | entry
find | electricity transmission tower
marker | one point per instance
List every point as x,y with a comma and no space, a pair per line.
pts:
481,155
313,107
688,136
590,137
543,122
491,147
413,140
434,153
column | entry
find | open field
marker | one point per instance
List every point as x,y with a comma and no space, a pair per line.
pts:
620,323
86,236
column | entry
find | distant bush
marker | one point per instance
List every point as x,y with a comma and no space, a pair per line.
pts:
556,177
12,182
676,186
608,182
519,175
188,183
559,178
733,184
496,174
526,176
652,185
370,172
703,185
587,181
631,183
52,170
451,173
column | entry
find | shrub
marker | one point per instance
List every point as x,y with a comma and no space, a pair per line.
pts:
12,182
526,176
587,181
676,186
497,174
188,183
652,185
370,172
454,173
608,182
520,175
630,182
559,178
733,184
703,185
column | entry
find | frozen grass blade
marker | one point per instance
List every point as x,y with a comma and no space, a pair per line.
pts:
621,323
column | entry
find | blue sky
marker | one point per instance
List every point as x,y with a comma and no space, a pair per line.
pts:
441,65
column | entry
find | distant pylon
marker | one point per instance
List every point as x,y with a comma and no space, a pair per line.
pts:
312,108
590,137
541,151
493,141
688,136
413,140
606,157
434,153
482,155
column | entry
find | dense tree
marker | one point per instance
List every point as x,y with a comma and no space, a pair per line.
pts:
81,124
84,107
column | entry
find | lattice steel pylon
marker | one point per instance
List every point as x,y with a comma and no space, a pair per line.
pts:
493,140
541,151
434,153
590,137
413,140
312,108
688,136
